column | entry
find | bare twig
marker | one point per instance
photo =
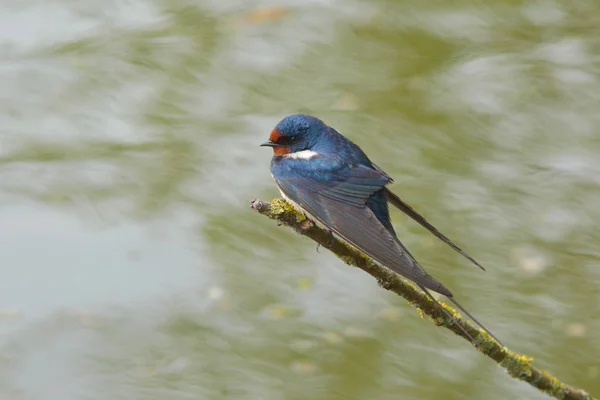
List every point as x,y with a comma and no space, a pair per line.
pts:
517,365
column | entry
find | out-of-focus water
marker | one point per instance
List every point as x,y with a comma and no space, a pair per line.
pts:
132,268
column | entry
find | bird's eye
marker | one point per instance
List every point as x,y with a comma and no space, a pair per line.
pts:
287,140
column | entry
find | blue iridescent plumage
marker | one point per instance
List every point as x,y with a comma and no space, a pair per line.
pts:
334,182
338,156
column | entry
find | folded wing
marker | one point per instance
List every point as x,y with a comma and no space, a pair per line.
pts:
342,208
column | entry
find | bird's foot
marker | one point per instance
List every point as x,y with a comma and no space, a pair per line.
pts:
306,225
330,243
331,239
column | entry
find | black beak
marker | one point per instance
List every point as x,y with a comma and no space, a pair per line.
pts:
270,144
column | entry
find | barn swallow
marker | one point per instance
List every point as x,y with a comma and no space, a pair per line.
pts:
331,180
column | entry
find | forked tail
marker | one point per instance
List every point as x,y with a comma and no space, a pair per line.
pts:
457,304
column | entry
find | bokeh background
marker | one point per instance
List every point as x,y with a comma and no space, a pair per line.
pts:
132,268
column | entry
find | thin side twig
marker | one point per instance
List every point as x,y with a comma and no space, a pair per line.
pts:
517,365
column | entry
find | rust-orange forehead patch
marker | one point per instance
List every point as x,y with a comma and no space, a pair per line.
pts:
275,134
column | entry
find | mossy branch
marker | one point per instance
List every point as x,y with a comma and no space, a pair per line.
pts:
517,365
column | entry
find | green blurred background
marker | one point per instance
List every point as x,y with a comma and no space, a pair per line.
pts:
132,268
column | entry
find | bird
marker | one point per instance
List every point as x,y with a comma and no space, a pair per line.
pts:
331,180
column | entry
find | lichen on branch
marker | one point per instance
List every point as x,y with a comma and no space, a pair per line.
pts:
517,365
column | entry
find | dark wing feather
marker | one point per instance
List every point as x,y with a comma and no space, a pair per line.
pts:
408,210
359,227
357,187
342,208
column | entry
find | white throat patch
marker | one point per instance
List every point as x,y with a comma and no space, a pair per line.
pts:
302,155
